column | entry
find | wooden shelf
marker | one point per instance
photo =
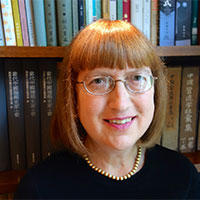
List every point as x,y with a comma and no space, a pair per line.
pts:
32,52
193,157
58,52
9,181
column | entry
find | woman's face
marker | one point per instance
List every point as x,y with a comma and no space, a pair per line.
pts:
116,120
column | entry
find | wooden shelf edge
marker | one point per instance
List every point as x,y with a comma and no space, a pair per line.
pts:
194,157
58,51
32,52
178,51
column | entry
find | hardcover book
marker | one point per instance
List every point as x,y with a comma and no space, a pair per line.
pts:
31,110
167,23
39,20
75,24
8,22
48,70
171,126
23,19
50,21
113,9
127,10
30,22
189,105
105,9
183,22
2,40
81,14
195,4
120,9
64,18
147,18
154,22
17,22
4,142
15,108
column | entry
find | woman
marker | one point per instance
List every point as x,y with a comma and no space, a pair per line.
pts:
109,114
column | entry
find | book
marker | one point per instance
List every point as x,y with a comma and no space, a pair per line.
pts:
183,22
89,11
75,25
64,18
167,23
120,9
194,22
171,126
113,9
81,14
50,21
39,20
23,19
4,142
198,30
2,40
147,18
198,133
15,110
30,22
17,22
47,71
137,14
154,22
106,9
31,110
127,10
98,9
8,23
188,114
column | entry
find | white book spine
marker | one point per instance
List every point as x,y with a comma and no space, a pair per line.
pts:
113,9
8,22
30,22
147,18
137,14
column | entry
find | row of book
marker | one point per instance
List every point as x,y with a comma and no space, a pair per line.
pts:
56,22
27,97
182,126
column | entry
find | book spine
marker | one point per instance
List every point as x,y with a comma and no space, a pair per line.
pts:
194,22
127,10
81,14
14,92
2,40
4,142
105,9
183,22
137,14
39,19
89,11
17,22
154,22
8,22
171,127
167,23
31,111
98,9
113,9
23,19
189,101
198,31
75,17
30,22
47,100
64,15
147,18
50,21
198,134
120,9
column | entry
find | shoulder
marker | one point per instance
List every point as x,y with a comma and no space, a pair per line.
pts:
169,160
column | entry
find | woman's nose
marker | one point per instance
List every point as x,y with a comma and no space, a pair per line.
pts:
119,97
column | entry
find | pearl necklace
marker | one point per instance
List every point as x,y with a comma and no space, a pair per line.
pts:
121,178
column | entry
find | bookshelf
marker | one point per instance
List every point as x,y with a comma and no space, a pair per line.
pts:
10,179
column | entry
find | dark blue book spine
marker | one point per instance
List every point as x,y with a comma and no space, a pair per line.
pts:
81,14
4,143
167,23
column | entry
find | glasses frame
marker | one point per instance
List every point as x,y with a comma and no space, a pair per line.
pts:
153,78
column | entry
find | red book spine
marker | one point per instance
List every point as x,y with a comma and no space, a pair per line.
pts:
126,10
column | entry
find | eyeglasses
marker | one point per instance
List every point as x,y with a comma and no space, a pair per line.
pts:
134,83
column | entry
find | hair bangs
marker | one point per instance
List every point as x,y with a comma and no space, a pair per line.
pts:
116,47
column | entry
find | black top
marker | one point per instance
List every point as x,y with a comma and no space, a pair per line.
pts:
166,174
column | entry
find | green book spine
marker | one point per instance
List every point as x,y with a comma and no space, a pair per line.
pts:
194,40
75,17
120,9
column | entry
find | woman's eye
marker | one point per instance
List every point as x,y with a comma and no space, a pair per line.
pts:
138,78
98,81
